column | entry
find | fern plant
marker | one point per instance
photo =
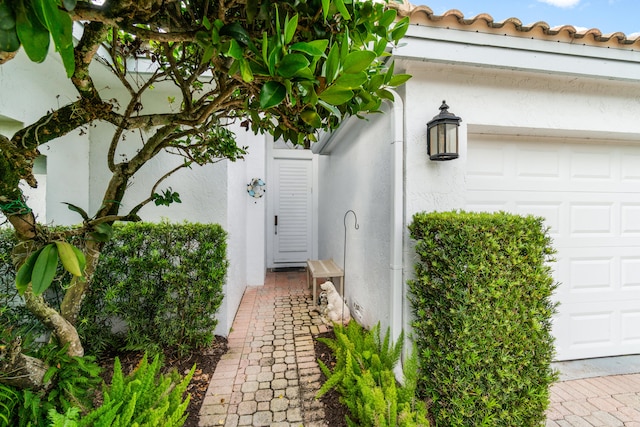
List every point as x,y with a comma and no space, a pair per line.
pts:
364,377
74,379
144,398
9,400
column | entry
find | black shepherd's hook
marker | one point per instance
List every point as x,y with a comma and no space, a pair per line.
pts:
344,253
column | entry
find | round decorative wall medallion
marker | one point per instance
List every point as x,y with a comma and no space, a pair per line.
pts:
255,188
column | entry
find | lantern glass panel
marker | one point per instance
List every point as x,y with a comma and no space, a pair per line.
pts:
433,140
451,138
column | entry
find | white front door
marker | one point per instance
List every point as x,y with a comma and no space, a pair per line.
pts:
589,194
292,220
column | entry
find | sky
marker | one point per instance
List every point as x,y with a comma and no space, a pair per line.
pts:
606,15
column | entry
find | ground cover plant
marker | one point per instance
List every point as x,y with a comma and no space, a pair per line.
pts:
482,304
363,375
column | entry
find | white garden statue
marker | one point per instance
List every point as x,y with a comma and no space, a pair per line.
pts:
336,311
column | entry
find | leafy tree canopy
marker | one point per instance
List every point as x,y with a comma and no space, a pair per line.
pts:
290,68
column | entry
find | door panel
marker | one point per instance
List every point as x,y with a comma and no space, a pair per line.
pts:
293,215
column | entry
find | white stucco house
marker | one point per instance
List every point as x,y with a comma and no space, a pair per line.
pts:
550,126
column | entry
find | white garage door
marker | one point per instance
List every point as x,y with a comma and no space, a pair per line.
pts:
589,194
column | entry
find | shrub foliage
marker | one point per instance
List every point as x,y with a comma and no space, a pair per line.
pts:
156,286
163,280
483,311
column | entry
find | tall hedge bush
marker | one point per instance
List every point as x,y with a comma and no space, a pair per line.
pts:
483,311
164,281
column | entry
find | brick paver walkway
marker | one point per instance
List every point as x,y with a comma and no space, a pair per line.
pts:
602,401
269,375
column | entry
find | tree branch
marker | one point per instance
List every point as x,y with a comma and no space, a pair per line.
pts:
61,328
140,205
93,36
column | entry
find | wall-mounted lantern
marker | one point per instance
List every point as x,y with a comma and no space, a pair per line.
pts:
442,135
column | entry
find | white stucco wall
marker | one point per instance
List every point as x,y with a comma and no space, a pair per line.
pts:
503,102
28,91
356,175
246,228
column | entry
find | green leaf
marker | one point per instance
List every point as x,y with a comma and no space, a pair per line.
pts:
265,48
315,48
245,71
272,94
380,47
290,26
33,35
206,23
82,261
342,9
325,8
77,209
9,41
351,81
390,71
251,10
358,61
68,257
207,54
7,18
385,94
44,270
23,277
215,36
273,59
291,64
387,17
59,24
98,237
399,79
103,232
234,51
400,29
308,92
331,108
68,60
336,95
332,64
312,118
237,32
278,30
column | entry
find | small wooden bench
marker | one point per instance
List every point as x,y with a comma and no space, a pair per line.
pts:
323,269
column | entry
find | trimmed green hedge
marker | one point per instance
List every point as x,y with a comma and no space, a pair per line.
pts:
156,286
165,281
483,312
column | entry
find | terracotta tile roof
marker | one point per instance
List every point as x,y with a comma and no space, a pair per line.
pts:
423,15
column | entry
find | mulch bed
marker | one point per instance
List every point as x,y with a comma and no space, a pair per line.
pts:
204,359
335,411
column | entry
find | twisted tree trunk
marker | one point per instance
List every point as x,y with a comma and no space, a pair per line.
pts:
19,370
